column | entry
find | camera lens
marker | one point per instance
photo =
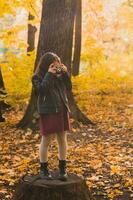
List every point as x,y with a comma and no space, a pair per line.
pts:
58,70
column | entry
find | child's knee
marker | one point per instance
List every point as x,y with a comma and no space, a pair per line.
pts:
46,140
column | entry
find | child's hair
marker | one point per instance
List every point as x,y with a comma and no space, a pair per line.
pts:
44,62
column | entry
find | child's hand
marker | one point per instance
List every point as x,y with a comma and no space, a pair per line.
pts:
64,68
52,68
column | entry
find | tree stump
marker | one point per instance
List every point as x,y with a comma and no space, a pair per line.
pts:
34,188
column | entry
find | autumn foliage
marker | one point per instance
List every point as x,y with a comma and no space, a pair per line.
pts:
103,90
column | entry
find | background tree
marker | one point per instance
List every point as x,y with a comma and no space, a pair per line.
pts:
31,34
77,43
3,104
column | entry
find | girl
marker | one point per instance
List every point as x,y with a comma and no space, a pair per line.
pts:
50,82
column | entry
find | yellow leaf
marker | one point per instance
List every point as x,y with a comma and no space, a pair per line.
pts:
115,169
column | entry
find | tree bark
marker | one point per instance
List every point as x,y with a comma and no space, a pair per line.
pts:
77,43
31,187
56,35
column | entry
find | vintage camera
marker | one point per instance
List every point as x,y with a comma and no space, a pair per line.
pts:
58,70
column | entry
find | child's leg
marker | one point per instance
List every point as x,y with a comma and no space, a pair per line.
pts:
43,149
62,145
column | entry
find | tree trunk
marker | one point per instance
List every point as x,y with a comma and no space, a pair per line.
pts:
31,35
56,35
77,43
3,93
31,187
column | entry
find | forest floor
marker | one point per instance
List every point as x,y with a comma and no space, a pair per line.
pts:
101,153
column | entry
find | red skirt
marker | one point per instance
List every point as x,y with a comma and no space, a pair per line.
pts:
54,123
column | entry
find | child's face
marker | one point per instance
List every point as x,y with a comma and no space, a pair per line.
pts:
56,63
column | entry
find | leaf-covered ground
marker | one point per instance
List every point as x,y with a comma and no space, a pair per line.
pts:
102,153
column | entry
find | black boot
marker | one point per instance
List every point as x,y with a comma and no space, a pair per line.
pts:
44,172
62,170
